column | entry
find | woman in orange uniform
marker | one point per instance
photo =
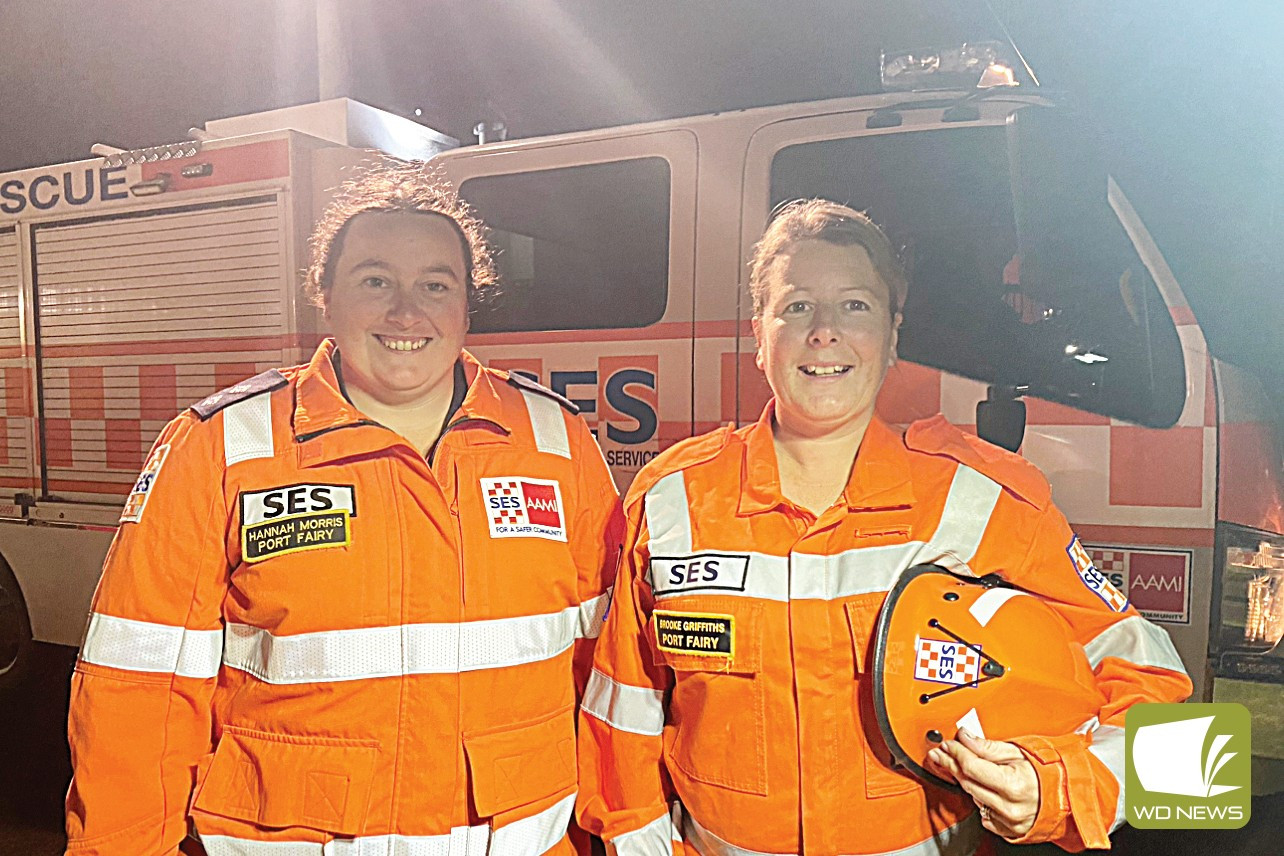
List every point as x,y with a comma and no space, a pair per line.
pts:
729,706
351,604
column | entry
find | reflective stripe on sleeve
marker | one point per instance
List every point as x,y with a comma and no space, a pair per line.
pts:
1137,641
654,839
668,516
530,836
961,839
547,423
966,516
592,614
639,710
411,649
1108,747
145,646
247,430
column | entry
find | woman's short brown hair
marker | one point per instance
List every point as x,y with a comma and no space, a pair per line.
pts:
822,220
392,186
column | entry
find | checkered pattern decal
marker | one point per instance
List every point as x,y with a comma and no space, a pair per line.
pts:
1109,562
501,513
945,661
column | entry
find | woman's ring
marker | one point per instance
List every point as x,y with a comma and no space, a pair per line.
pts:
984,811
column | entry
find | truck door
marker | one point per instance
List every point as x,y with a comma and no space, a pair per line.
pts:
138,314
596,243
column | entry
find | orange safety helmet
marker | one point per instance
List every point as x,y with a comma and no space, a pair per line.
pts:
955,652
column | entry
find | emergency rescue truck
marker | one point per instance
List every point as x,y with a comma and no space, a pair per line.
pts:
135,284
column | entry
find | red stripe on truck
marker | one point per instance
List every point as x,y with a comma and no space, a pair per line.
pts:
231,165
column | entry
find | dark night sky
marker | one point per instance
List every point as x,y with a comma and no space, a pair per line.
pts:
1189,92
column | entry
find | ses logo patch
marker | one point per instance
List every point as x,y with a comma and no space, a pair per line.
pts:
1188,766
1094,579
520,507
137,499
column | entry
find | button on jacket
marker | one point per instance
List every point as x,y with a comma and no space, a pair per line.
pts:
309,640
730,705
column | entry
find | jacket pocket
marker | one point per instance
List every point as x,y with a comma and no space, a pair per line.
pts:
882,777
718,706
278,780
522,764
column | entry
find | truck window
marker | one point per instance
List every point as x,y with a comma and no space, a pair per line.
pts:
1091,331
581,247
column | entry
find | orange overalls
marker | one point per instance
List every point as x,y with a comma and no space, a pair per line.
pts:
730,705
310,639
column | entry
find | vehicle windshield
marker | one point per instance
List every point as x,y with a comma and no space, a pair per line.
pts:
1084,325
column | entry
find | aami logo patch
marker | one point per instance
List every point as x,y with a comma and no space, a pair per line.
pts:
519,507
1096,581
699,572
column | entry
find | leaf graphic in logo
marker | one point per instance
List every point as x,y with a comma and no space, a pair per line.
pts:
1213,764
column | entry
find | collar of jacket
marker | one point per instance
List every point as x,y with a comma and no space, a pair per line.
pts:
320,408
879,479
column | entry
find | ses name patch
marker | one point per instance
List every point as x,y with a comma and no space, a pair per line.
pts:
699,572
293,518
705,634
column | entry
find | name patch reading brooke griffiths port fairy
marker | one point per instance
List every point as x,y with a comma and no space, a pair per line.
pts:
695,633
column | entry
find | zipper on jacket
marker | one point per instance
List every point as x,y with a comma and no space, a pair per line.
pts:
459,423
312,435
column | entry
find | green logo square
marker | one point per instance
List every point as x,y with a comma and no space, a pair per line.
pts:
1189,766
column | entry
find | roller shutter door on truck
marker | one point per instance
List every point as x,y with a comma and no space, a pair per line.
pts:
139,315
15,407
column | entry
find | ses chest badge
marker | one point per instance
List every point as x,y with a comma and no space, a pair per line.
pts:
137,499
293,518
521,507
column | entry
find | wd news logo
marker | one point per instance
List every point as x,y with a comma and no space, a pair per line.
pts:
1189,766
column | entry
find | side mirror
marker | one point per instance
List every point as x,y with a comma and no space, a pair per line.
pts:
1000,419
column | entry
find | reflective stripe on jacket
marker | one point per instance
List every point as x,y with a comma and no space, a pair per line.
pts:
308,636
732,676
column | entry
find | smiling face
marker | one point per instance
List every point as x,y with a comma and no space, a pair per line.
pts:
398,305
826,335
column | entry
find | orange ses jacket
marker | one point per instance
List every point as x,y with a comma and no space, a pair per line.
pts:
310,640
730,706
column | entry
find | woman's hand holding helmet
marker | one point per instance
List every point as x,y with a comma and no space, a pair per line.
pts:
996,775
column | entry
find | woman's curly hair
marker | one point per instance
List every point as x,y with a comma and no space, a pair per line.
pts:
391,186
